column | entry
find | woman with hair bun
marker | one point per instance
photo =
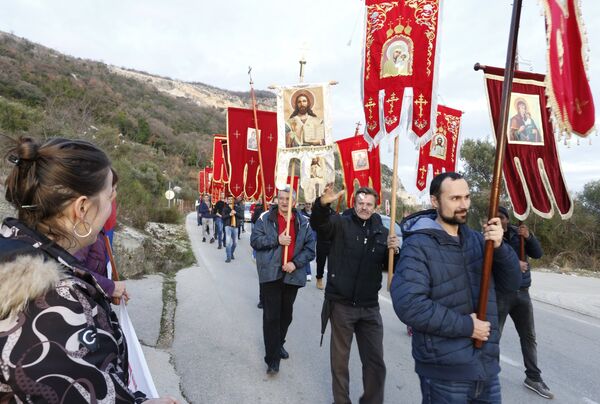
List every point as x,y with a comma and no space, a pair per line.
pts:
60,341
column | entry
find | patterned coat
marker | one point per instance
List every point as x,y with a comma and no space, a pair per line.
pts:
60,341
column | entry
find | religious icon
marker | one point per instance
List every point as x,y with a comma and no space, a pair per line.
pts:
396,57
360,160
304,125
525,122
317,175
251,140
438,147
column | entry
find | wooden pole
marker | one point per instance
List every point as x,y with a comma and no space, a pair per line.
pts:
339,204
509,72
289,216
521,245
260,163
113,266
390,273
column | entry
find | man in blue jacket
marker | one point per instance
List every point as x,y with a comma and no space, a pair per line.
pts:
280,279
204,216
518,305
436,291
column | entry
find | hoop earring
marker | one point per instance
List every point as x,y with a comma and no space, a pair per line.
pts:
84,225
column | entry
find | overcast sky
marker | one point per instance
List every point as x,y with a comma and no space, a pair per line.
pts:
214,42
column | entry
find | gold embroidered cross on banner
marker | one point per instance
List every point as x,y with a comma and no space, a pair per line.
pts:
420,102
370,106
392,100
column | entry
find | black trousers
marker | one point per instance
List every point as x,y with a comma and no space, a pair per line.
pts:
518,306
278,304
323,248
367,325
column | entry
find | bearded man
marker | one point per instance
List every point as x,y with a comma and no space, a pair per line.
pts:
436,290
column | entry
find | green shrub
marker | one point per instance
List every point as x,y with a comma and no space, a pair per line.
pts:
165,215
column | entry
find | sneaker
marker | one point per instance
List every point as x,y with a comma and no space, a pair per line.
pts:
308,278
320,283
212,240
219,247
539,387
232,257
259,305
204,239
228,260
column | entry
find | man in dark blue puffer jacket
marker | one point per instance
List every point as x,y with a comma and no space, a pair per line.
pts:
436,290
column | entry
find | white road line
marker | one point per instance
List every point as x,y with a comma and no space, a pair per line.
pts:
510,362
558,313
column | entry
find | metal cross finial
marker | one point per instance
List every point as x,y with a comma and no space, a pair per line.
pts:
358,125
302,61
250,74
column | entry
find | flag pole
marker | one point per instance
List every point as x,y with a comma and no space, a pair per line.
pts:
521,245
289,215
260,163
509,73
391,251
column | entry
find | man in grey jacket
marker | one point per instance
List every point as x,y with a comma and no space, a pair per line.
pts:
280,279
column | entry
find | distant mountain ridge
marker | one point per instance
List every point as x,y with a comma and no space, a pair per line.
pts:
202,94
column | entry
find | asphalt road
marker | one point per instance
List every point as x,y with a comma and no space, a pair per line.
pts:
218,347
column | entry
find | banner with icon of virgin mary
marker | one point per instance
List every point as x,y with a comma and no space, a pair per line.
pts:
441,151
360,165
399,69
304,123
532,172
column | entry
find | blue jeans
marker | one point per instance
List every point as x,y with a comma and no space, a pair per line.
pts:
231,241
437,391
219,230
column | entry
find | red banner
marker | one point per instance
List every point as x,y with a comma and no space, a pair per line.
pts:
440,152
532,172
568,88
219,164
216,189
201,182
400,53
204,179
243,161
360,165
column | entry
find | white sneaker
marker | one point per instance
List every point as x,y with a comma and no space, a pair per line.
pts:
308,278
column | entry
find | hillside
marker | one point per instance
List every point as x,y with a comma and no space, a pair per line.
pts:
157,130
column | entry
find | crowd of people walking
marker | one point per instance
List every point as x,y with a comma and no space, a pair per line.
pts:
62,342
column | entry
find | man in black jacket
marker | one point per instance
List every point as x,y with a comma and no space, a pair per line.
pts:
218,221
359,246
518,305
232,215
